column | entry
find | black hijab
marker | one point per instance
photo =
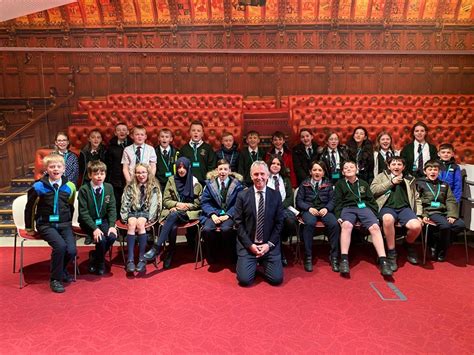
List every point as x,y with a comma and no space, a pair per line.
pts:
184,185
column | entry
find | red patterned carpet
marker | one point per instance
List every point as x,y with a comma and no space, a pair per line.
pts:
204,311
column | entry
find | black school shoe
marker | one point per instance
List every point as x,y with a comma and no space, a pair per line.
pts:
56,286
334,262
92,266
412,255
67,277
385,267
141,266
308,263
392,259
344,268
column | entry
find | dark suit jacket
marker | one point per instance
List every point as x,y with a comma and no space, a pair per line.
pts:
245,217
408,153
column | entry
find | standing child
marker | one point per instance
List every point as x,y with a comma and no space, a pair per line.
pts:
229,151
113,160
202,157
166,157
280,148
354,202
362,153
249,155
440,207
383,151
217,201
61,144
333,155
418,152
138,152
97,214
450,172
398,201
303,154
141,204
93,150
181,203
53,195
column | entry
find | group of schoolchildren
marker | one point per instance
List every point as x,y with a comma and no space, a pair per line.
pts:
341,186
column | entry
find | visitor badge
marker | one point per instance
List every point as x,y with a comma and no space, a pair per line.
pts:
435,204
98,221
168,174
361,204
415,168
195,164
54,218
451,169
222,212
336,175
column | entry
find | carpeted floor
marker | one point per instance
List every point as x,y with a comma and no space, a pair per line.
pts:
183,310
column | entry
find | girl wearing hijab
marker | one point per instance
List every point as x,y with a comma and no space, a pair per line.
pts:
141,204
181,204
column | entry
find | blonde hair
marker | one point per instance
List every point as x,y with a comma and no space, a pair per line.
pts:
53,158
150,185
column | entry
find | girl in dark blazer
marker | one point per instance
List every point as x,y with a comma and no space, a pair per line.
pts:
303,154
361,151
383,150
419,151
280,182
315,200
333,161
279,146
93,150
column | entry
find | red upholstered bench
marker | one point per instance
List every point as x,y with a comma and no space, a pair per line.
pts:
39,156
85,105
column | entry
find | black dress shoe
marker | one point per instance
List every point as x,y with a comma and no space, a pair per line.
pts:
392,260
56,286
152,253
284,262
412,255
91,267
130,266
441,256
88,240
434,253
168,260
385,267
344,267
334,261
67,277
141,266
308,263
100,268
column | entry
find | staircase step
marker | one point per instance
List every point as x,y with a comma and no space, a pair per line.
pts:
7,229
25,181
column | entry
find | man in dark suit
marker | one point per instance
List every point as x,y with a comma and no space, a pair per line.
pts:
259,220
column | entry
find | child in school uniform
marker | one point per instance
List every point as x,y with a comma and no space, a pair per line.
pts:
419,151
166,157
354,202
361,151
138,152
252,153
200,154
303,154
181,204
93,150
450,172
398,201
97,214
61,147
113,160
217,203
315,199
333,155
141,204
229,151
280,148
440,207
53,195
383,151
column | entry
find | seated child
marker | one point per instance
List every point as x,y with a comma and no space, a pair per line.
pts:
217,202
280,148
303,154
202,156
354,202
181,204
141,204
450,172
229,151
166,157
279,181
97,215
398,201
315,199
249,155
439,207
138,152
54,196
61,146
333,155
93,150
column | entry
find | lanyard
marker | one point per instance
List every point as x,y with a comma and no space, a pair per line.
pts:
55,203
98,209
231,157
447,172
358,190
167,164
437,193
